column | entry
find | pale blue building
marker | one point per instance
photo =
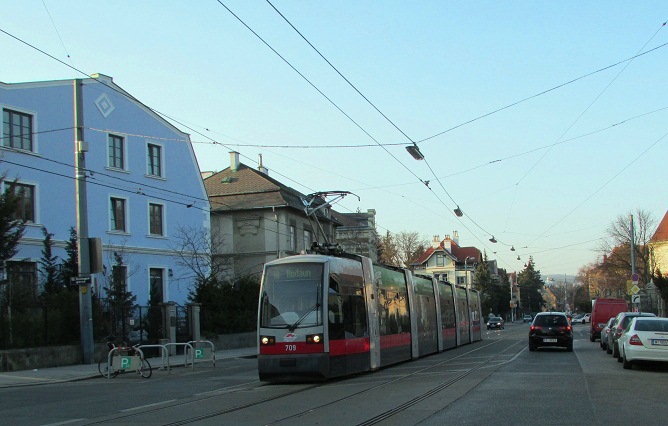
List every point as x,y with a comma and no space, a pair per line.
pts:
143,183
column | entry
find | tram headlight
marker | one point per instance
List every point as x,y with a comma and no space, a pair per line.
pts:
314,338
267,340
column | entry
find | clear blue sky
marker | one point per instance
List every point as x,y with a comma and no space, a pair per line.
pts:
547,175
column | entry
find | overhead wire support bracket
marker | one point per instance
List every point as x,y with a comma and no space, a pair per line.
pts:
311,210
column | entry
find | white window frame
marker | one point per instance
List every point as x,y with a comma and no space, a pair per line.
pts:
163,218
35,201
35,130
162,160
124,152
309,233
165,278
126,213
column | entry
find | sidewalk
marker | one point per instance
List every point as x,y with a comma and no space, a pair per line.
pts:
70,373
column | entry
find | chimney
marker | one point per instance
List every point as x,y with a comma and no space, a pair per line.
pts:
234,161
435,242
455,237
261,168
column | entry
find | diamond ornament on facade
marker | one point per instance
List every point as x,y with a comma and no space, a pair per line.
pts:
105,105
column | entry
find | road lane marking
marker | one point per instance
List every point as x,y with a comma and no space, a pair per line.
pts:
148,405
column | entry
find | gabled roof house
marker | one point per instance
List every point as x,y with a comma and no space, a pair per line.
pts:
256,219
446,260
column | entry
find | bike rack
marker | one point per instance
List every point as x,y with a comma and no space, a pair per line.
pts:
164,353
200,353
110,357
185,352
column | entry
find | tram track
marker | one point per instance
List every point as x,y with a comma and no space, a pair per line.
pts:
125,417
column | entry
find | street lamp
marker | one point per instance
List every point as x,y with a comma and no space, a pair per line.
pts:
415,151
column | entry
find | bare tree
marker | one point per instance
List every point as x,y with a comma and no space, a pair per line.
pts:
387,249
199,253
616,246
410,245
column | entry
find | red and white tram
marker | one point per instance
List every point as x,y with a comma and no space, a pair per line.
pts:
323,316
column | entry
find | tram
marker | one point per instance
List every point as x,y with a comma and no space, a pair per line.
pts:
324,316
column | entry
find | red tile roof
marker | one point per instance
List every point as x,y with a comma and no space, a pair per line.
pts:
458,253
661,233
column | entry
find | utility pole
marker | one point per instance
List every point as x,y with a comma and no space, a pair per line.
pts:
84,279
633,247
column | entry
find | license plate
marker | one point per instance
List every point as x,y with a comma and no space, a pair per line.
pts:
549,340
660,342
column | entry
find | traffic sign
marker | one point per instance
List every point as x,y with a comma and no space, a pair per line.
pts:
635,277
635,299
80,280
635,289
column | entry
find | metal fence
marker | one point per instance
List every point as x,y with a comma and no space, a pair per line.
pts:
41,325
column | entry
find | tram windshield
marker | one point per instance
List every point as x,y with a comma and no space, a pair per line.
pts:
292,295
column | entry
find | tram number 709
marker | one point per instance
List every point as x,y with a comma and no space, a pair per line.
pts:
290,348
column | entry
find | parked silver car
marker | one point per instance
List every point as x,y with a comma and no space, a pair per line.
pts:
621,321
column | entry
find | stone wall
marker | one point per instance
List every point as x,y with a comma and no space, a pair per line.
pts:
56,356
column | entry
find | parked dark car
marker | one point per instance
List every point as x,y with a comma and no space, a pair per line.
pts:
550,329
605,332
621,321
495,322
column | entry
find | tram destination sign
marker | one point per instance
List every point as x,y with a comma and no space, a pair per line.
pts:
297,272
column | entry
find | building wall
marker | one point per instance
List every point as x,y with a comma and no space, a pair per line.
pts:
251,238
50,169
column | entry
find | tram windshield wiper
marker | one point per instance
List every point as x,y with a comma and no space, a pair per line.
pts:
303,317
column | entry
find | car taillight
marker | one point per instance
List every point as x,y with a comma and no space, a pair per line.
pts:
618,332
635,340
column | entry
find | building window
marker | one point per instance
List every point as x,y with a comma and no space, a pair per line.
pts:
116,152
461,280
155,219
292,237
23,280
118,215
308,239
154,160
25,208
16,130
440,260
157,279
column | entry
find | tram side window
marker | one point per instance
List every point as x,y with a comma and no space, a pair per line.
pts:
355,320
335,311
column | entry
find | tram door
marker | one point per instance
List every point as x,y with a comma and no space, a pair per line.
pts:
347,318
448,323
463,318
425,309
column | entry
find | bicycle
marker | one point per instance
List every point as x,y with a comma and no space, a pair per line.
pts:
124,358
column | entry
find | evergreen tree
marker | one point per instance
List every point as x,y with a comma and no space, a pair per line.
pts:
70,267
49,265
531,285
11,228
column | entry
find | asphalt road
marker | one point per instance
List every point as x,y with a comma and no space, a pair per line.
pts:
496,382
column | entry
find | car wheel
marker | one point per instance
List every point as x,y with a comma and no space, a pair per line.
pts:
569,348
608,349
625,363
592,338
615,351
532,347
